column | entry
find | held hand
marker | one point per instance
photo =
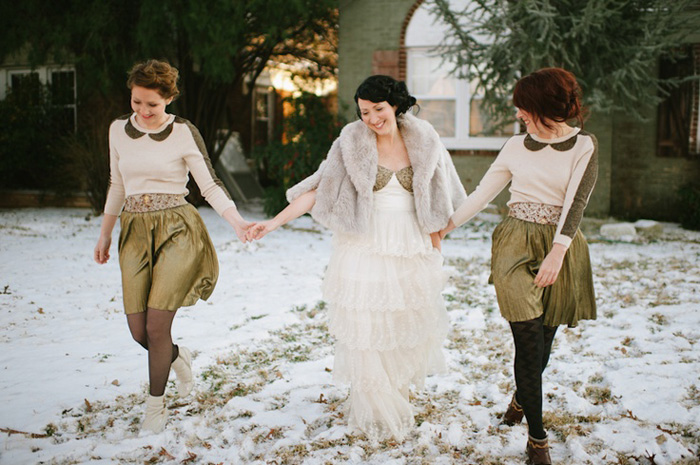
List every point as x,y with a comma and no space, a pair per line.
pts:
101,254
436,240
242,228
261,229
450,226
550,267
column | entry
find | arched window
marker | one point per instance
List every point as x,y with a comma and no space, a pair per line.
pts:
450,104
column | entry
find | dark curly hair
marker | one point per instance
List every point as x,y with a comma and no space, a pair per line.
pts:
550,93
380,88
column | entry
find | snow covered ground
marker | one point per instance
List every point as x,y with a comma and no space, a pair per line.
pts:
624,389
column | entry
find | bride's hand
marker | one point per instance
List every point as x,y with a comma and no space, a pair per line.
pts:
450,226
242,228
260,230
436,240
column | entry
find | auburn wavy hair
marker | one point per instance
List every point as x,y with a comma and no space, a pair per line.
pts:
550,94
157,75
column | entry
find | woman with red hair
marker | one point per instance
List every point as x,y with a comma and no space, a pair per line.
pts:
540,263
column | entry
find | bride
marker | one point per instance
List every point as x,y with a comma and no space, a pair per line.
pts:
386,188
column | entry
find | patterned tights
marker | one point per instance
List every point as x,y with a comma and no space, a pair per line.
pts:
533,344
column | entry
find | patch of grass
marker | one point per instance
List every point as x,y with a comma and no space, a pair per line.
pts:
609,314
268,434
692,396
664,298
428,412
690,338
50,429
658,318
564,424
599,395
291,454
347,440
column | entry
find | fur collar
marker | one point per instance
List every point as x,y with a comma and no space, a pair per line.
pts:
358,145
344,180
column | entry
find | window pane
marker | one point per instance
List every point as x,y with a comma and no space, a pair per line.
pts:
430,77
480,125
262,109
441,114
63,87
677,111
28,81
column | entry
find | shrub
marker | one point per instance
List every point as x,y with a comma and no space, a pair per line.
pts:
309,131
690,206
31,142
90,155
89,147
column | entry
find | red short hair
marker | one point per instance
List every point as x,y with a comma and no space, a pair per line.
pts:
550,93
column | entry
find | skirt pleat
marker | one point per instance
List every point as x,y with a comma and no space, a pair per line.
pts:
167,259
518,249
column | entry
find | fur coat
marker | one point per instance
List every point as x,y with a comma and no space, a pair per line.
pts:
345,179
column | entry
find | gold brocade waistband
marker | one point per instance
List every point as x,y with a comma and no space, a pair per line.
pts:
143,203
535,212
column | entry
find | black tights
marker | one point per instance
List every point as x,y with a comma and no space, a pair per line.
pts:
151,329
533,344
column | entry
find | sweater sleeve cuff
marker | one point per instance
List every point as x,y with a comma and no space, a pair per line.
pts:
112,211
563,240
457,220
114,203
221,206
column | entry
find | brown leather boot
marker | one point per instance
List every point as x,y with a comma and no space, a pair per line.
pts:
538,451
514,414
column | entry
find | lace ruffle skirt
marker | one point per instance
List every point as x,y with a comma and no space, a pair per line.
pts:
387,315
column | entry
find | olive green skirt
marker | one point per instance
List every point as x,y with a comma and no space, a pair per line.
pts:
518,249
167,259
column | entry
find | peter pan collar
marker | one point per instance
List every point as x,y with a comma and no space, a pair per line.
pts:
560,144
135,131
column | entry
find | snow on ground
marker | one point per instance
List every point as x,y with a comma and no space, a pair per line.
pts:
624,389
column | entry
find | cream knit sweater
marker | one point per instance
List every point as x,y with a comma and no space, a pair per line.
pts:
560,172
157,161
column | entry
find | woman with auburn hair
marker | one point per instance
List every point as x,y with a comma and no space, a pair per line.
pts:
166,257
386,188
540,263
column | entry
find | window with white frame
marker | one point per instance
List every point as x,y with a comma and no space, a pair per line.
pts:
263,114
436,91
63,95
449,103
678,128
61,82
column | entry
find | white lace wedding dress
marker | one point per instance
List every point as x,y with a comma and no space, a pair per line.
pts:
386,311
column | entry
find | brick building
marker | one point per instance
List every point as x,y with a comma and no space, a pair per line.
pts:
642,164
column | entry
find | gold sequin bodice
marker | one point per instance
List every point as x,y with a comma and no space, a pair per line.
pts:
404,176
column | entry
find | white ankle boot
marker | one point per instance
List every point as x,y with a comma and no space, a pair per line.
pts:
156,415
182,366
